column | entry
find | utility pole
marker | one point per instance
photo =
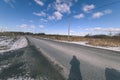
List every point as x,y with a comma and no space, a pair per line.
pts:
68,27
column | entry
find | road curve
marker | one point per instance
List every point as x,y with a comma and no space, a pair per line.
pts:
93,63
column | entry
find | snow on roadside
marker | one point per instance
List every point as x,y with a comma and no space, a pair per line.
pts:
20,43
21,78
6,42
85,44
81,42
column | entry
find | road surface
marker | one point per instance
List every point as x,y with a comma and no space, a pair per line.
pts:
81,62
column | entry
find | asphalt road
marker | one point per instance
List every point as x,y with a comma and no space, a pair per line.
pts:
81,62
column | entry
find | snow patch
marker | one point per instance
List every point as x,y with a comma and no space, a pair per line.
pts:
12,44
20,78
20,43
108,48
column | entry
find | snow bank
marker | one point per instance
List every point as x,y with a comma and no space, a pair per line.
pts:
20,43
85,44
12,44
6,42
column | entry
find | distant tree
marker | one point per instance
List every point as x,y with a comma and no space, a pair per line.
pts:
87,35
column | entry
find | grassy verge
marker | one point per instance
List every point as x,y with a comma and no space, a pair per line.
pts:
105,42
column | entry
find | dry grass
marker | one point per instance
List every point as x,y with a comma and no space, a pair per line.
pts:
106,42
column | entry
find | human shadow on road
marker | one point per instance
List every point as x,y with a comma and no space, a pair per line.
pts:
112,74
75,73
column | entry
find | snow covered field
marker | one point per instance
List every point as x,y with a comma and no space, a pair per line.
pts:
10,43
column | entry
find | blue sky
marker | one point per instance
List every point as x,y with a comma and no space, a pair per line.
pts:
51,16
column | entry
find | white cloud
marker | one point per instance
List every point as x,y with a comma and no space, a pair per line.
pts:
43,20
49,6
76,0
108,11
114,29
109,29
41,26
43,14
79,16
58,15
88,8
32,26
39,2
100,14
24,26
71,31
10,2
62,7
51,17
59,1
97,15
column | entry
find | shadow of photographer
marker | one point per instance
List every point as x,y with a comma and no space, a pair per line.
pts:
112,74
75,73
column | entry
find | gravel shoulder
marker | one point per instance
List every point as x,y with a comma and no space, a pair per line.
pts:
27,64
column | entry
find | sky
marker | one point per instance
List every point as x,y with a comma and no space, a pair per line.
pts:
52,16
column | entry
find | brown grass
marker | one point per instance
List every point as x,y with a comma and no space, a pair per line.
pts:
106,42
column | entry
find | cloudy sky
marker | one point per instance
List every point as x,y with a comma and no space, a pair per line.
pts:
51,16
